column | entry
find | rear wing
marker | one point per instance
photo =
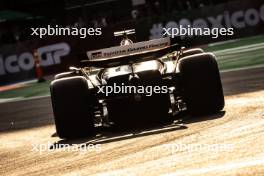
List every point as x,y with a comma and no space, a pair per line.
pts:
135,48
130,53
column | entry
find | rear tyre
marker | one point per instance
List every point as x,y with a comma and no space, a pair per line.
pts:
201,83
73,107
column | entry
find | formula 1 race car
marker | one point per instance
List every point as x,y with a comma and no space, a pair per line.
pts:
135,84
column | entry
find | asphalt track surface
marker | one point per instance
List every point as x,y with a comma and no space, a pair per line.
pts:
228,143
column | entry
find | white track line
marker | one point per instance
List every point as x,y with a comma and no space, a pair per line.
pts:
17,99
224,42
240,49
242,68
4,100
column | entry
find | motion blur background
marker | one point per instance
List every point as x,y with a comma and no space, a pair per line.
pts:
148,17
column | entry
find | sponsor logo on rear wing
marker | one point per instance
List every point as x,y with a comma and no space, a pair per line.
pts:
135,48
